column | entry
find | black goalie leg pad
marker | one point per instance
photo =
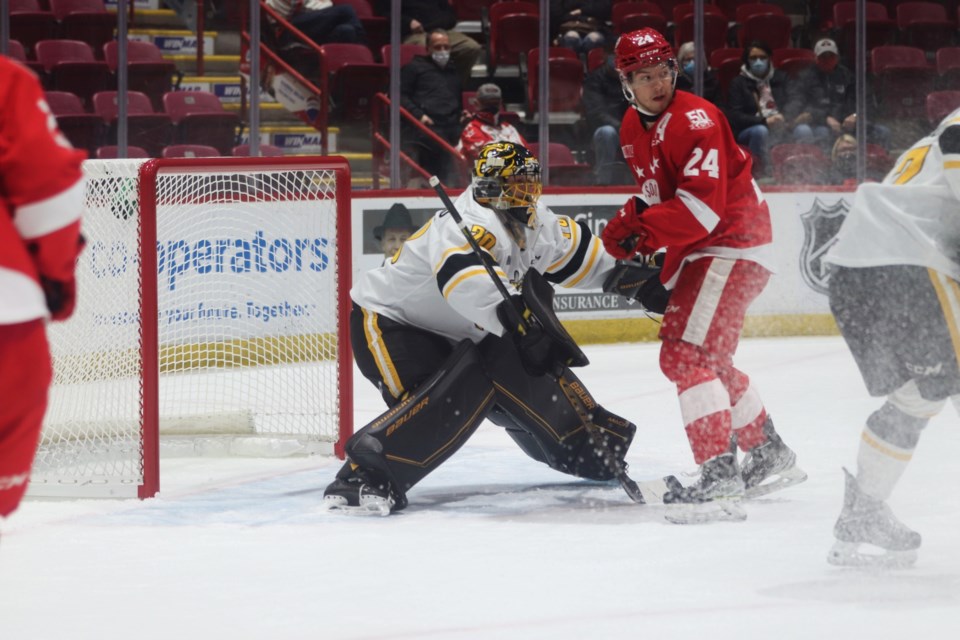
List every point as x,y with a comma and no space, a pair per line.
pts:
413,438
548,417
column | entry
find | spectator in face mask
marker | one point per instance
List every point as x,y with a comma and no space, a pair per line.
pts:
755,106
430,90
687,60
419,17
824,96
487,124
605,104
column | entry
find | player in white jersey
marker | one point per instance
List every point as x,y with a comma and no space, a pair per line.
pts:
431,329
896,299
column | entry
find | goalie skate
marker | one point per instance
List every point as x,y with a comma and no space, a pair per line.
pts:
352,496
869,535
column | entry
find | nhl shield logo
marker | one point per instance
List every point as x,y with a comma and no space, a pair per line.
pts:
820,226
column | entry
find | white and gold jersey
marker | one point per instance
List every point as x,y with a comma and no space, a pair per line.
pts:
436,282
913,216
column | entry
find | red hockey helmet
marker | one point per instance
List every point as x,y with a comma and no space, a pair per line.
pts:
640,49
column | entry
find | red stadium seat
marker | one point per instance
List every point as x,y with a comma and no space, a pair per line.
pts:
881,30
564,169
948,67
407,53
147,71
190,151
719,56
747,9
566,82
349,74
83,130
774,29
940,104
512,28
29,23
110,152
86,20
266,150
925,25
70,66
903,80
714,31
377,28
793,61
200,118
152,131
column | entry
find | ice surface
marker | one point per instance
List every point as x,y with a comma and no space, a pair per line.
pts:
494,545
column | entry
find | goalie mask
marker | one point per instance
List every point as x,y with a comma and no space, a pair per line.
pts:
506,176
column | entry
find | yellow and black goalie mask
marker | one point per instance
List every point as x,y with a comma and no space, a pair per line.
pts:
506,176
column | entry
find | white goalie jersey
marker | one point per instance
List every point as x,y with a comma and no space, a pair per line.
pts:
436,281
913,216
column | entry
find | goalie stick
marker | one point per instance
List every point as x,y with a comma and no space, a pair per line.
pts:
641,493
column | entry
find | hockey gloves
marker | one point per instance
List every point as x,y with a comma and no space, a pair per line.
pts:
640,280
55,256
534,346
624,235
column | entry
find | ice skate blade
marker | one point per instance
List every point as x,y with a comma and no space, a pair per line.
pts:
725,510
851,554
786,478
368,506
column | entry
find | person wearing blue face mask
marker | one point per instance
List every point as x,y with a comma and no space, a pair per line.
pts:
755,105
687,60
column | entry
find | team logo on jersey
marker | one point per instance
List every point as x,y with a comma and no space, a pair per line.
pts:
699,119
650,191
820,227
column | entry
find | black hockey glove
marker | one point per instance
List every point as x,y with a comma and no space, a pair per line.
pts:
640,280
535,348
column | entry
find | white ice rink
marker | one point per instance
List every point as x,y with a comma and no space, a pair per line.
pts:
494,545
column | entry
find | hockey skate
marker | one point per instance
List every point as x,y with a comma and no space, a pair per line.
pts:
358,495
770,466
868,521
714,497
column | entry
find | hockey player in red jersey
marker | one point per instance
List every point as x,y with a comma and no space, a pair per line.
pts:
699,202
41,189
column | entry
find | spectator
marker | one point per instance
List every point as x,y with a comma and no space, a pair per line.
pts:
580,24
487,124
321,20
825,97
396,228
430,89
755,105
420,17
605,104
687,60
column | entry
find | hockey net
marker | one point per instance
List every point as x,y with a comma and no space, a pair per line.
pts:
212,315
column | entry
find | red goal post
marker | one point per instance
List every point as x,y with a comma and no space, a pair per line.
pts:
213,310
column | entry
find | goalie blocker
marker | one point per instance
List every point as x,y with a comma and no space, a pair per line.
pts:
475,381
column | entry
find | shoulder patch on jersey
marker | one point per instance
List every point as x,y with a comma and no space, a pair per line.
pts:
699,119
627,150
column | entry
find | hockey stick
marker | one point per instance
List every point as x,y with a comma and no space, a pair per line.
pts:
655,488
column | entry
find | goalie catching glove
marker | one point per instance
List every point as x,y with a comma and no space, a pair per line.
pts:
640,280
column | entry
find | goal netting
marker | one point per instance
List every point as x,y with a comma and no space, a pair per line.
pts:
213,297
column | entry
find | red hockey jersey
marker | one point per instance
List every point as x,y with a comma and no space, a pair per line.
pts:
698,183
41,189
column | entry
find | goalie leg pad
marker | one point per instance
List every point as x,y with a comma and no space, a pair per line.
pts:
538,415
414,437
